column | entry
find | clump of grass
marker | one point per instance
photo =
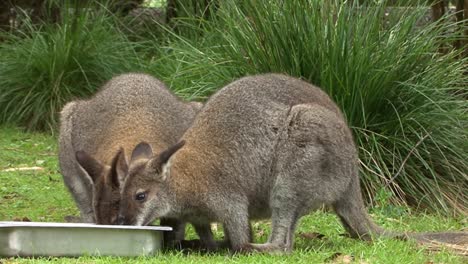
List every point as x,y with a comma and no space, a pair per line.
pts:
44,66
400,96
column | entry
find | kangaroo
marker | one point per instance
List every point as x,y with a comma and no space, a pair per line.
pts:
265,146
94,133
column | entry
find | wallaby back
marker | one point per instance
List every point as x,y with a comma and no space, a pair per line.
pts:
129,108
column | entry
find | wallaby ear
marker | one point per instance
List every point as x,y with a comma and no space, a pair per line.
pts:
165,155
142,150
119,169
93,167
159,163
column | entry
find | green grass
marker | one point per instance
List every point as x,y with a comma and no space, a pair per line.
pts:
42,196
36,195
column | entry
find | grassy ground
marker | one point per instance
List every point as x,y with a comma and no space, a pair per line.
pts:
40,195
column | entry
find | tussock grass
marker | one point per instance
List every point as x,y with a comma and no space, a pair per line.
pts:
44,66
404,100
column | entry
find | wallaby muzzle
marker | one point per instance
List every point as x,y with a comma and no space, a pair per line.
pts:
121,220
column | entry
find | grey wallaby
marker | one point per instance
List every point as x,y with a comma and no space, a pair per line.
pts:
128,109
265,146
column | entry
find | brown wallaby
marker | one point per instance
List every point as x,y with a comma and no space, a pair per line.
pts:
95,133
265,146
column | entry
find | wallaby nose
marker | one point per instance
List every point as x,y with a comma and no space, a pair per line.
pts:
121,220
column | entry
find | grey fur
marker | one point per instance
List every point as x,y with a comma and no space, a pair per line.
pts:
128,109
265,146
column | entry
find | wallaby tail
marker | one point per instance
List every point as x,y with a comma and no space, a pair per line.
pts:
350,209
447,237
352,213
78,184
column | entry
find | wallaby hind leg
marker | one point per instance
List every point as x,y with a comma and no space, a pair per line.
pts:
226,242
237,229
285,214
352,213
298,187
283,225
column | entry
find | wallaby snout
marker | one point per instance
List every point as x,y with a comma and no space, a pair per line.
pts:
121,220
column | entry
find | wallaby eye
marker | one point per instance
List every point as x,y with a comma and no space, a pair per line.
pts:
140,196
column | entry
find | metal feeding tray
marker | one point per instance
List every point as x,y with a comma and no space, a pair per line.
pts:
27,239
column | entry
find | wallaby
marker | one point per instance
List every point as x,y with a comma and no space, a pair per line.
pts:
265,146
93,133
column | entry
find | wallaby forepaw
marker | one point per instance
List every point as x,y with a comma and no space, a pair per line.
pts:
72,219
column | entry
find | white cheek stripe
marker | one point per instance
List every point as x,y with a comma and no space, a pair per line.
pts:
139,221
144,213
148,214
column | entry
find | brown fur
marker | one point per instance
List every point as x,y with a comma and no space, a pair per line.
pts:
265,146
129,108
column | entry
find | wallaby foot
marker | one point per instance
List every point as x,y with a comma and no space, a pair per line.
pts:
270,248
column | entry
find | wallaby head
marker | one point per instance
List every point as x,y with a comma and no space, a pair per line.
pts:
144,196
106,121
107,181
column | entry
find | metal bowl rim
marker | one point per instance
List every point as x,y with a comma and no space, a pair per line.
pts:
10,224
